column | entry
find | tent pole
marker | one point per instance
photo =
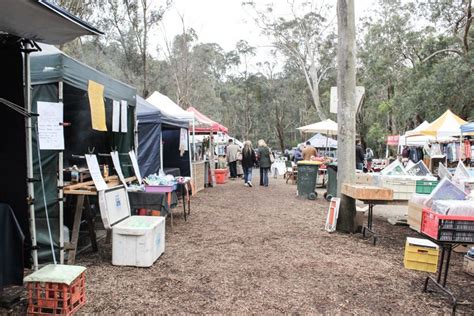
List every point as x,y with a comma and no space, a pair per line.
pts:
60,190
161,151
29,159
194,140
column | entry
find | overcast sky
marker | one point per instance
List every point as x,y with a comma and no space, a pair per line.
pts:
225,22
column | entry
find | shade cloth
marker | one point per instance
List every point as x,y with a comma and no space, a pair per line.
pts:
152,201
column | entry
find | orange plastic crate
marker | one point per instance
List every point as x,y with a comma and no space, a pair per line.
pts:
56,298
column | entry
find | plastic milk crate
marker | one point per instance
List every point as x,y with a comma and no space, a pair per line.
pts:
449,228
56,290
425,186
421,255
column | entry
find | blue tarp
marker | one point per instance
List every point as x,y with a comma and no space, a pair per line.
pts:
467,128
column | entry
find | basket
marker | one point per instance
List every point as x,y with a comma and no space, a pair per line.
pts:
448,228
425,186
56,298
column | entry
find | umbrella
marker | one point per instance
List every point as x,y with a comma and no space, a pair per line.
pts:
328,127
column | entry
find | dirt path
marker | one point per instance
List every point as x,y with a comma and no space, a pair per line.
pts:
263,250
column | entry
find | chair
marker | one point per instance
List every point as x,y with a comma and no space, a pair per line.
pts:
290,172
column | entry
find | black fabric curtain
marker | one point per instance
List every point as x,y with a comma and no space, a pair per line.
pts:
13,180
171,155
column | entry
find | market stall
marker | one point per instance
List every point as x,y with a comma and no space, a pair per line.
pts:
163,141
24,22
62,83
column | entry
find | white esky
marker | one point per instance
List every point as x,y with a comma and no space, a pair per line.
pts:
225,22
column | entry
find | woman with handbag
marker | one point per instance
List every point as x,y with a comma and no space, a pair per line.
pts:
265,158
248,161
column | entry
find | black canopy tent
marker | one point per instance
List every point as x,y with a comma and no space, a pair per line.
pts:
22,22
158,140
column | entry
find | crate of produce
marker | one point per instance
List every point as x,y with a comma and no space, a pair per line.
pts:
448,228
425,186
56,290
421,255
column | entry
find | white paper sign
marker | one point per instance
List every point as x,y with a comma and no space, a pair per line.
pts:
115,116
50,128
123,116
360,91
133,158
96,175
118,168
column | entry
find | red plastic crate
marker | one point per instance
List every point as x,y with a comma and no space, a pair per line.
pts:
56,298
450,228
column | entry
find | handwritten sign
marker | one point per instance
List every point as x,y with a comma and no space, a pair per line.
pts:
97,106
123,116
115,116
134,160
50,128
118,168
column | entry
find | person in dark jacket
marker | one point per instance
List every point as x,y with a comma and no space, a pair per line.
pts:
248,161
360,156
265,162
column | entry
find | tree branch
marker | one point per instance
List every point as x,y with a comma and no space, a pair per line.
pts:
442,51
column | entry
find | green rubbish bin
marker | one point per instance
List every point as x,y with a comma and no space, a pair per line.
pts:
307,176
332,181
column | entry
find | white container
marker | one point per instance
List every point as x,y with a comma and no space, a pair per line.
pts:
136,240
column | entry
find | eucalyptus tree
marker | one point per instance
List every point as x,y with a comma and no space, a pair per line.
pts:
306,36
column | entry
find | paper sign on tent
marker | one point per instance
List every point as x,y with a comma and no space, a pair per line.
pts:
115,116
50,128
124,116
96,102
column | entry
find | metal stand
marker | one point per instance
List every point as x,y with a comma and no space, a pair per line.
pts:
368,228
186,198
440,281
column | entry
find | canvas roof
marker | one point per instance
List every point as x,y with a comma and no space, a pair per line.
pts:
448,124
148,113
168,107
214,126
42,21
467,128
52,65
328,127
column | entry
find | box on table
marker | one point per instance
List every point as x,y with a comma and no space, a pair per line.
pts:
56,290
425,186
136,240
468,266
415,211
421,255
449,228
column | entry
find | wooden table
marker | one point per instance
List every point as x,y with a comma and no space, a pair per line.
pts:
371,195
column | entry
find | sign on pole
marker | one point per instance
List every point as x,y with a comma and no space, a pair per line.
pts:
360,91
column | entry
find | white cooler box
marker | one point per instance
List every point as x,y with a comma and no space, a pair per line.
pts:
136,240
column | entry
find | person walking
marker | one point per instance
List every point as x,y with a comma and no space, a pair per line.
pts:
360,156
369,156
248,160
232,153
265,162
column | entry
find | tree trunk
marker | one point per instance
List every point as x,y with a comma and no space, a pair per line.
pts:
346,111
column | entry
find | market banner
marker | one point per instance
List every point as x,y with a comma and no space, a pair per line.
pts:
392,140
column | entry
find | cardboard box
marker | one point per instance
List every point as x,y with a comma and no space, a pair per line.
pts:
414,215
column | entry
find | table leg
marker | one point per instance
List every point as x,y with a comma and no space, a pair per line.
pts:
184,200
440,281
369,228
72,247
168,195
188,197
91,224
